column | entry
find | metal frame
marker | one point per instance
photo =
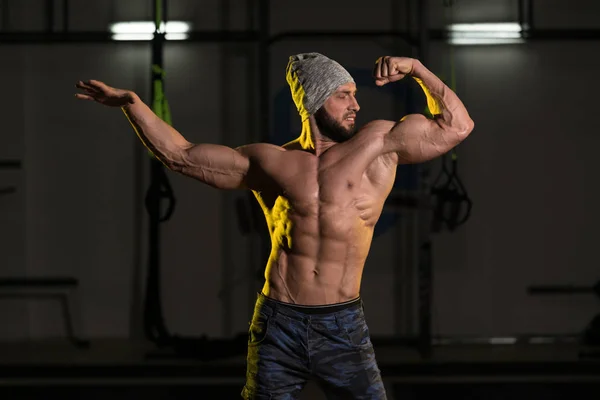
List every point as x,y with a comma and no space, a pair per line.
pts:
262,34
63,289
23,38
10,164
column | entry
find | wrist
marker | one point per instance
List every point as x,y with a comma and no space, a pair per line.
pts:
416,67
132,97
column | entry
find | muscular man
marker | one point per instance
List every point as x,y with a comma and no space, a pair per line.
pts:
322,195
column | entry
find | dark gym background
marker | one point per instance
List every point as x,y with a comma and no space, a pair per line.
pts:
448,310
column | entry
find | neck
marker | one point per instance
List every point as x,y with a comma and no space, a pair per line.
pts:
311,139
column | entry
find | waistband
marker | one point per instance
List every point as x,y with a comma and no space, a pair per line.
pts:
312,310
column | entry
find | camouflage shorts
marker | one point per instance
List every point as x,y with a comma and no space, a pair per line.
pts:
288,346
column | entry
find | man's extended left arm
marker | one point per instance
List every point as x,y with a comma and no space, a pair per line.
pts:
416,138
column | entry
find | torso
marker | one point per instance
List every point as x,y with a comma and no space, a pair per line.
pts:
321,212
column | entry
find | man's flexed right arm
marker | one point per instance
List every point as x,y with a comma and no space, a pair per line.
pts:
216,165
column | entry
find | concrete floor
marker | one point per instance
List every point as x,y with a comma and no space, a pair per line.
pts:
110,363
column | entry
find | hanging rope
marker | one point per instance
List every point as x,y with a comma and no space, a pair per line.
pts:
160,106
452,205
159,189
154,322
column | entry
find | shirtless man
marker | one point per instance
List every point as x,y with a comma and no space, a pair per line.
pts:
321,195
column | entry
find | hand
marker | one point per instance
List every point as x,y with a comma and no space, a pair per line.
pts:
104,94
391,69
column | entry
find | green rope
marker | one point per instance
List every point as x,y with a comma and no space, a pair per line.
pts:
160,105
159,16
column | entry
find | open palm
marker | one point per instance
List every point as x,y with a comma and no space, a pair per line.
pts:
100,92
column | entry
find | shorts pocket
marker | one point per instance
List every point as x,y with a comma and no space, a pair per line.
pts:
259,327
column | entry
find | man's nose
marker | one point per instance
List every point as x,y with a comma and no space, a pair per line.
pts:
354,106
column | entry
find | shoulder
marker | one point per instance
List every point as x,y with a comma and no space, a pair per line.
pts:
372,135
380,129
378,126
259,149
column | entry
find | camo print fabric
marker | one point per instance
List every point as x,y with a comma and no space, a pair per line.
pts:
286,348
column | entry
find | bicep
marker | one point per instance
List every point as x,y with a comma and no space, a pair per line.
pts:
416,139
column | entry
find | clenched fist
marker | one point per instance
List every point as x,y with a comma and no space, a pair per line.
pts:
391,69
104,94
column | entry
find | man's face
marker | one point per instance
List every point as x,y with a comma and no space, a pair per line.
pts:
336,118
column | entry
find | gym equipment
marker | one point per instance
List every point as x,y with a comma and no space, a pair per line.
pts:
564,289
159,189
7,190
62,288
154,324
10,164
452,205
591,334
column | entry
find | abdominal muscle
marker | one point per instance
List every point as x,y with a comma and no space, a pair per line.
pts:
317,263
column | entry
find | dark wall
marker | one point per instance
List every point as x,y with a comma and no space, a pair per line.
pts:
527,166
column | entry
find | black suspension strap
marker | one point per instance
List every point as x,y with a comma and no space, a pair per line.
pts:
160,189
451,202
452,205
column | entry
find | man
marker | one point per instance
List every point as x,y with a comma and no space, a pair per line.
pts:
322,195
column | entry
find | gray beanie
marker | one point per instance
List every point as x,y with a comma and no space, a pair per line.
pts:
313,78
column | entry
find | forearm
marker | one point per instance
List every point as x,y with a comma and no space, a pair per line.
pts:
159,137
218,166
443,103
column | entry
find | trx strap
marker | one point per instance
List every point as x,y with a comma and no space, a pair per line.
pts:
452,205
159,189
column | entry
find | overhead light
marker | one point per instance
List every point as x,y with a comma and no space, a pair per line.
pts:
485,33
150,27
144,30
476,41
487,27
176,36
132,36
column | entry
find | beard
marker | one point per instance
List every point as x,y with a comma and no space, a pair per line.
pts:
331,128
